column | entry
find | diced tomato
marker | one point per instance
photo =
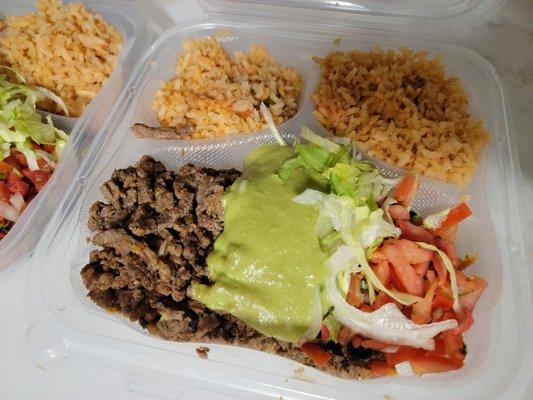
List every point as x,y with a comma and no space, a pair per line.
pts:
357,341
395,281
380,368
405,272
430,363
469,290
404,353
467,261
421,268
406,190
415,233
14,176
374,344
398,211
412,252
465,321
382,271
354,296
449,249
5,167
455,216
345,335
21,158
11,160
377,256
38,178
430,274
19,187
450,234
440,268
365,307
5,193
324,332
381,299
422,310
453,344
443,302
317,354
49,148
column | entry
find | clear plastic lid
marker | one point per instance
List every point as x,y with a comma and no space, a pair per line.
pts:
447,17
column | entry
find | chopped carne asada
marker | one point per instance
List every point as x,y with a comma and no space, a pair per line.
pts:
155,231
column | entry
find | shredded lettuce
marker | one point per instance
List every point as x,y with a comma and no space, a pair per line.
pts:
333,325
435,220
21,125
386,324
350,226
355,223
267,115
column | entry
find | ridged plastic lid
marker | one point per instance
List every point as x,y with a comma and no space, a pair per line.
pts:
447,17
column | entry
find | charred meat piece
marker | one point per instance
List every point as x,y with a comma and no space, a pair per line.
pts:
155,233
149,132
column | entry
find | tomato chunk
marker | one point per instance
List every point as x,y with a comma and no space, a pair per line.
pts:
398,211
354,296
415,233
422,310
439,266
455,216
5,193
465,322
49,148
345,335
19,187
449,249
38,178
421,268
14,176
453,345
431,363
406,190
467,261
21,158
442,302
404,353
374,344
324,332
5,167
405,272
357,341
380,368
412,252
382,271
469,290
317,354
381,299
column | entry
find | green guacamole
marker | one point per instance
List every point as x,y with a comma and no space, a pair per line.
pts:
268,263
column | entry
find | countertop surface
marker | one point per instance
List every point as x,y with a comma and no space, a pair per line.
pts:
506,41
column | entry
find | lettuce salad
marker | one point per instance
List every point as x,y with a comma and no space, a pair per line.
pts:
351,226
29,145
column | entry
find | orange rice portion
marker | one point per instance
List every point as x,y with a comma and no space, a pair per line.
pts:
401,108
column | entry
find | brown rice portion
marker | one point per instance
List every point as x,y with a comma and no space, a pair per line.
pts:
64,48
215,93
401,108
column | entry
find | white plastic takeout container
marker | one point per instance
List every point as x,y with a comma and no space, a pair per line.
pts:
65,324
23,236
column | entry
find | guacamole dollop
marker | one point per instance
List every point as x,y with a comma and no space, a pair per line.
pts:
267,265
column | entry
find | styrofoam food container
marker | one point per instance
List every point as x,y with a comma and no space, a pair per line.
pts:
23,236
64,323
